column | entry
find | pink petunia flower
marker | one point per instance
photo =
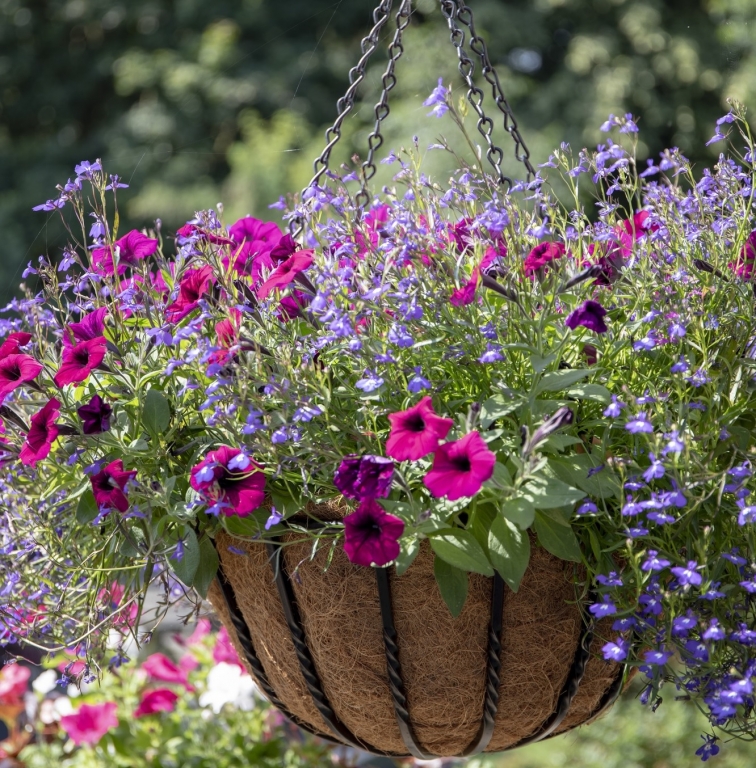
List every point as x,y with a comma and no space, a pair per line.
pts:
371,535
159,700
91,326
195,283
13,343
108,486
231,479
160,667
542,255
90,722
255,240
416,432
15,370
190,230
285,273
42,434
746,262
132,248
460,468
466,294
224,650
13,681
200,632
80,360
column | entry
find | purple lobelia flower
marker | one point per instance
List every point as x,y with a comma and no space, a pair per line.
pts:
371,535
437,100
688,574
364,477
589,314
95,416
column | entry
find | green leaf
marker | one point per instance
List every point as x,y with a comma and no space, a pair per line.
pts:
574,470
86,509
461,549
186,568
156,412
453,585
590,392
480,522
497,407
540,364
407,556
519,511
509,549
500,479
559,442
558,539
549,492
556,381
208,567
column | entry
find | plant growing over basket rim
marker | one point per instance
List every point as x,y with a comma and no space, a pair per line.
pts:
484,370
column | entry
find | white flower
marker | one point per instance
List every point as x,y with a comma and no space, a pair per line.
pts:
226,684
46,682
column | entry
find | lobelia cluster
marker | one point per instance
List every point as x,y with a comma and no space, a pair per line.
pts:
481,370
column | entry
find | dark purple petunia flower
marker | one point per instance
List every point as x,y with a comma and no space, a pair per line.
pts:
371,535
364,477
95,416
589,314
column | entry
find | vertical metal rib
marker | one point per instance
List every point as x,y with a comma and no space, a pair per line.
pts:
394,669
570,688
493,669
245,640
306,664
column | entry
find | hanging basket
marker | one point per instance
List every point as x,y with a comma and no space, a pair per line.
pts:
376,661
373,660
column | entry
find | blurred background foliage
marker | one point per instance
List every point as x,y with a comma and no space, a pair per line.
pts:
195,103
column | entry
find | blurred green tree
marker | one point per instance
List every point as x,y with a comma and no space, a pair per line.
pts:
195,102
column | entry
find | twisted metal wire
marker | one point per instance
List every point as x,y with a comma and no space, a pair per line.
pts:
346,103
382,110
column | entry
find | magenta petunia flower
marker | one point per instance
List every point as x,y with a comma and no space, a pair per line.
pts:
746,263
460,468
160,667
255,240
195,283
90,722
80,360
15,370
364,477
132,248
285,273
466,294
95,416
225,652
13,343
42,434
189,230
638,226
228,477
91,326
371,535
109,484
589,314
542,255
416,432
159,700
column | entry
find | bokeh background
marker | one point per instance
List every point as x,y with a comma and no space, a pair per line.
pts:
196,102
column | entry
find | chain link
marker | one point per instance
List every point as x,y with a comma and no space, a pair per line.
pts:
346,103
456,12
478,46
382,109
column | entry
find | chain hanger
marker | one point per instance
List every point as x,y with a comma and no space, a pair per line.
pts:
455,12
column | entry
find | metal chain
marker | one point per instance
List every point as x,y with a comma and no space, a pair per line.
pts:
454,11
382,109
450,10
478,46
346,102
